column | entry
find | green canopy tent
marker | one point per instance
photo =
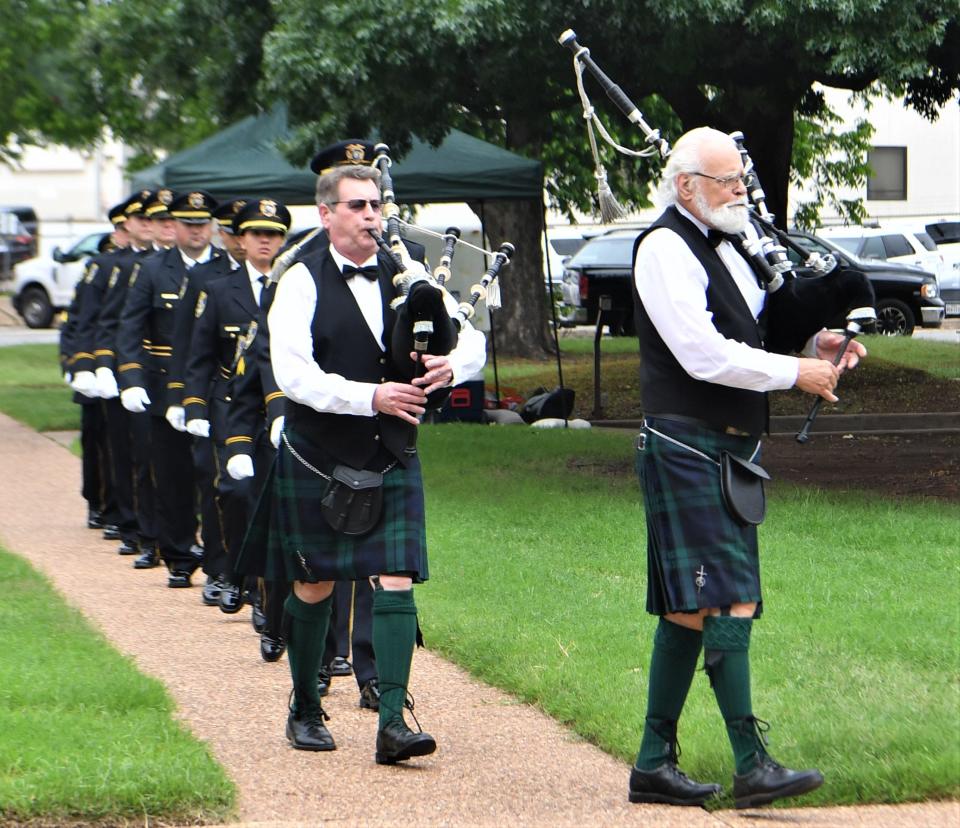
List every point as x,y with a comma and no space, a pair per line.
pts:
244,159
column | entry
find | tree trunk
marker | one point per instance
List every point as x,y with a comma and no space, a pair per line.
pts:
521,325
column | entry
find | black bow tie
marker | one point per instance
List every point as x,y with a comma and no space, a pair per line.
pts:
369,271
717,236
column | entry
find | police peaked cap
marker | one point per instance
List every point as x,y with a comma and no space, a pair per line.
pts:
227,211
158,204
262,214
118,213
345,153
193,207
136,204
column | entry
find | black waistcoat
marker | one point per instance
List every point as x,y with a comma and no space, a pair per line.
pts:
343,344
665,387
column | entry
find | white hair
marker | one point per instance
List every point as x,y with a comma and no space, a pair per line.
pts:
686,158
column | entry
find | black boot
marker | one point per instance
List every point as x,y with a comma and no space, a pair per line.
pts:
306,731
396,742
768,780
667,784
271,649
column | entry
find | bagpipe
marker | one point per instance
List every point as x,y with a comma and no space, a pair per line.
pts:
796,307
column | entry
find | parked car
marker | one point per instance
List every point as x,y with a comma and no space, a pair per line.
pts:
947,236
19,234
564,243
888,245
43,286
905,295
603,267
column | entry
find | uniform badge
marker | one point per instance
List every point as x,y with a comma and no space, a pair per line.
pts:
114,275
238,206
195,200
165,197
133,275
701,580
91,272
268,208
354,154
201,304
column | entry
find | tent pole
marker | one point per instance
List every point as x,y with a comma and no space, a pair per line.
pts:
553,304
493,337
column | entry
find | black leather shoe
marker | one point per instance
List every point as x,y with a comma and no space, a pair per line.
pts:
669,785
769,781
257,618
370,695
94,519
127,549
178,579
340,667
323,681
212,590
147,560
308,732
111,532
271,648
231,599
396,742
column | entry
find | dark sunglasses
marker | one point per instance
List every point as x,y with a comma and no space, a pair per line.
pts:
358,204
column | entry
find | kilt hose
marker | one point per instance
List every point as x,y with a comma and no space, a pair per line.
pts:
288,538
698,555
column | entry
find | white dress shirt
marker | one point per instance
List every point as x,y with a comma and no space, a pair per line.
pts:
291,344
673,288
255,284
189,263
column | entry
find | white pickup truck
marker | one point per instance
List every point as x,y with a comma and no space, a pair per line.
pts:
44,286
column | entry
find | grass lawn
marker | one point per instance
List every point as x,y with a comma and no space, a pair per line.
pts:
538,586
32,389
84,736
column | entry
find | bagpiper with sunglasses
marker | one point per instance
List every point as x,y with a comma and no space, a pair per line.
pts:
347,499
704,375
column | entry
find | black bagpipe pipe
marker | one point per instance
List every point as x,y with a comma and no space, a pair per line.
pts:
796,308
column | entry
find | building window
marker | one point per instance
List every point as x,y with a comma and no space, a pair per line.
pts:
888,179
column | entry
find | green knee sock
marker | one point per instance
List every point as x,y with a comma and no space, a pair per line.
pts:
672,667
394,635
726,644
307,632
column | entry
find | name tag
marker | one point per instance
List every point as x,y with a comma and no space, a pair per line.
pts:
169,295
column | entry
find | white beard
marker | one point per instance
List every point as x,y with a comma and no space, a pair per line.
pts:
730,218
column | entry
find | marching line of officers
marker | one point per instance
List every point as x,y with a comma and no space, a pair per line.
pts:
166,347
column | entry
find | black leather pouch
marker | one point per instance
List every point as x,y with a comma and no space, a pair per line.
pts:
353,500
741,484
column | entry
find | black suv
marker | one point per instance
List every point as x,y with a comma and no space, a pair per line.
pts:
906,296
19,238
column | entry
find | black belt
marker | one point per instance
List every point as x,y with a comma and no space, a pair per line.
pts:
681,418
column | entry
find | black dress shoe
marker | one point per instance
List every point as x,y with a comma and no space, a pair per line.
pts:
396,742
271,648
94,519
111,532
340,667
212,590
308,732
370,695
257,618
323,681
669,785
178,579
147,560
126,548
769,781
231,599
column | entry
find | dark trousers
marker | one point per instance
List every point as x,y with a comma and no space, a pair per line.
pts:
95,484
121,469
138,430
207,474
175,490
341,634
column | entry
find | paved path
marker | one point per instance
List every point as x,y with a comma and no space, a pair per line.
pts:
499,762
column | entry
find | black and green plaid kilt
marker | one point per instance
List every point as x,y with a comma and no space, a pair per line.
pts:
698,556
312,551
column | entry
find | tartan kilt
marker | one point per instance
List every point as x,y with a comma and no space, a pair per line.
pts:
299,545
688,525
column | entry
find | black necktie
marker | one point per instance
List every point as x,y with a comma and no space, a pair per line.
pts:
369,271
263,286
717,236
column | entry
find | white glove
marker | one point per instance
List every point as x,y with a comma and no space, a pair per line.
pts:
107,384
240,466
175,416
134,399
197,427
275,430
68,379
85,382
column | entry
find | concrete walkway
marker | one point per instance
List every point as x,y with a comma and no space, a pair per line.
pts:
499,762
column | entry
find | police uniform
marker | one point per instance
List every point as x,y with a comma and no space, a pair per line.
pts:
145,346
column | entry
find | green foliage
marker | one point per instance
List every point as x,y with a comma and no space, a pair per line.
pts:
83,735
857,661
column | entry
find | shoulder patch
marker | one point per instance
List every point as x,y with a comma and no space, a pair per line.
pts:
201,304
92,269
